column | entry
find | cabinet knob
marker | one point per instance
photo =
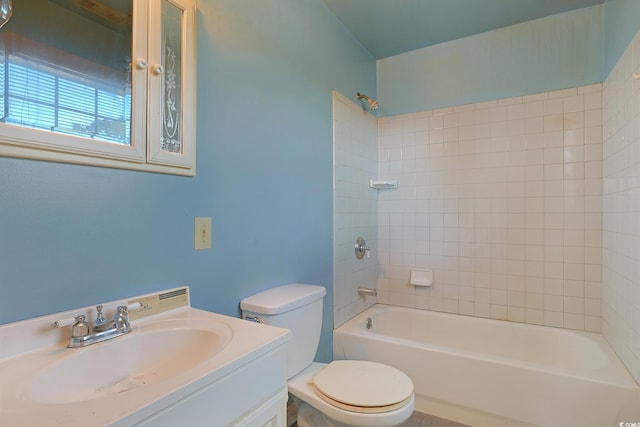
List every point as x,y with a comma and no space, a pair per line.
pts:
141,63
157,69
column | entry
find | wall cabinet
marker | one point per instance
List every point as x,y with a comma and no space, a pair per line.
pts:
101,83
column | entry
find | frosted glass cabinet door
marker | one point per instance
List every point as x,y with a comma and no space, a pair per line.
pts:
171,79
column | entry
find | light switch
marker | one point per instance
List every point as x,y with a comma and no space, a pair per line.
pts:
202,233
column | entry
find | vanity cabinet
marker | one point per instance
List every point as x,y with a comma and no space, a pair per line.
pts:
254,395
106,84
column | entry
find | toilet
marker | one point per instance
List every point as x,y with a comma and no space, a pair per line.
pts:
343,393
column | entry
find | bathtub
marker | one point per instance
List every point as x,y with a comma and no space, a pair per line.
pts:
493,373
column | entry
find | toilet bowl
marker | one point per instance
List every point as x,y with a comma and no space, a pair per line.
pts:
344,393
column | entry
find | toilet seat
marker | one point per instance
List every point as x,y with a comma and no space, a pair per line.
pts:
301,387
363,386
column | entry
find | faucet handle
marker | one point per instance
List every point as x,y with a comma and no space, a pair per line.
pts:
81,327
122,314
121,322
61,323
362,249
134,306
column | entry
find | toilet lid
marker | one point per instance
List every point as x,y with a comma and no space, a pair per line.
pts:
363,386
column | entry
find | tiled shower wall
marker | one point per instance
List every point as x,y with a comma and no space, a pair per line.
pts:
355,205
621,209
503,200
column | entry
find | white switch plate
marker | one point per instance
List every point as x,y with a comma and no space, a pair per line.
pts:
202,233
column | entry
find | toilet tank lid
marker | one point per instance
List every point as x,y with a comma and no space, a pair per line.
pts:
283,298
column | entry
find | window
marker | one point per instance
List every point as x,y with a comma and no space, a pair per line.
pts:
41,96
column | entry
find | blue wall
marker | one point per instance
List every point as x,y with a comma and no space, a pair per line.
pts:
560,51
72,235
621,23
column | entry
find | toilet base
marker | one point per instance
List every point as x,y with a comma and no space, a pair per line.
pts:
308,416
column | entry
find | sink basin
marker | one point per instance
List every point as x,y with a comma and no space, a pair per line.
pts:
139,359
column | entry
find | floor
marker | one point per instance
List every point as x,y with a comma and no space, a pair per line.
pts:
418,419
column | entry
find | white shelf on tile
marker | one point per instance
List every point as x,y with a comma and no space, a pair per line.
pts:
382,185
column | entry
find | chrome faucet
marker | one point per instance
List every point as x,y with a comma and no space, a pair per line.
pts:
102,329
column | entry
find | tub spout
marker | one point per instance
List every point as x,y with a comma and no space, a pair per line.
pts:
367,292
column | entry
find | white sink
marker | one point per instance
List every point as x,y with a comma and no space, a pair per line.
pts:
139,359
161,365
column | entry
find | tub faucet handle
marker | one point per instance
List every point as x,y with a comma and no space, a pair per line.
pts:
362,249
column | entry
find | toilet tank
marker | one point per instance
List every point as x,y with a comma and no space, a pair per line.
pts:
297,307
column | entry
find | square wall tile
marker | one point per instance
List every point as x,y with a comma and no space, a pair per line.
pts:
510,192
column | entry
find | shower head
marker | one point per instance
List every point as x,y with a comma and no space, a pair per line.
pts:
373,104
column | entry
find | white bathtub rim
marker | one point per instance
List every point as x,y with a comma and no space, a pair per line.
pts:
613,374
